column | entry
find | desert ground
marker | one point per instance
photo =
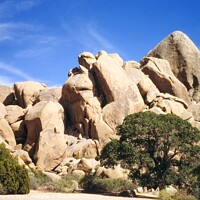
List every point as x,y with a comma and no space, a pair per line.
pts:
34,195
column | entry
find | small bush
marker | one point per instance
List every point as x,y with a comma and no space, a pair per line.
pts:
106,185
14,178
40,181
180,195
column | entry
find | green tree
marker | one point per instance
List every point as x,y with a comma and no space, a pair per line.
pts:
14,178
158,149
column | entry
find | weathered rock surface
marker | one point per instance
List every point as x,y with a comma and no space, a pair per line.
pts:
27,92
14,113
86,59
184,59
6,132
45,139
50,94
6,95
102,94
160,73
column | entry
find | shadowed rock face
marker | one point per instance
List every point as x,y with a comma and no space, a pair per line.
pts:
184,59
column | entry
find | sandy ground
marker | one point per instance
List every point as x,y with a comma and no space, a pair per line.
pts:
60,196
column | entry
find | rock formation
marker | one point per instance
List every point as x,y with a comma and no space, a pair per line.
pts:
65,128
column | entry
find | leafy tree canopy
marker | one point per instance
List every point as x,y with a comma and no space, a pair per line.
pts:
158,149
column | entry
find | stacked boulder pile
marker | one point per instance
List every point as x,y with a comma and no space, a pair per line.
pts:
64,128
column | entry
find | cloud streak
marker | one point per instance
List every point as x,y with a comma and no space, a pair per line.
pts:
12,31
90,37
9,8
14,71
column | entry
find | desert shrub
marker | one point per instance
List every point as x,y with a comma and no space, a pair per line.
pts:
94,184
159,150
40,181
14,178
180,195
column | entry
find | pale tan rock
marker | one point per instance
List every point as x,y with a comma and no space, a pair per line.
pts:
122,96
184,59
116,172
86,59
79,173
132,68
194,108
117,59
50,94
54,177
14,113
3,111
45,139
6,132
2,140
160,73
88,165
147,89
6,95
101,131
23,155
86,148
27,92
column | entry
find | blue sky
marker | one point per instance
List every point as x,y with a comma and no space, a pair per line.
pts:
41,39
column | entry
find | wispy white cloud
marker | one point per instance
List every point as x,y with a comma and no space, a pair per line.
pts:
38,45
100,38
91,37
14,71
9,8
12,31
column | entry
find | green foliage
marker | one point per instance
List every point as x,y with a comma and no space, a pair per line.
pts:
164,195
40,181
96,184
14,178
158,149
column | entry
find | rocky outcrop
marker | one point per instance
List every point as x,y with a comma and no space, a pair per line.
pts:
45,139
184,59
102,94
27,92
96,97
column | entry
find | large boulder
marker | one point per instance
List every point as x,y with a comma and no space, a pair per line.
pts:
14,113
184,59
160,73
27,92
45,138
6,95
50,94
6,132
86,59
121,94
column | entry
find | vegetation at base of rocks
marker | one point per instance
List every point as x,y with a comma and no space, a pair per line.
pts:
14,178
39,181
94,184
180,195
159,150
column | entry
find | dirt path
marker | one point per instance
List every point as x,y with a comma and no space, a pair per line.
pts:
60,196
